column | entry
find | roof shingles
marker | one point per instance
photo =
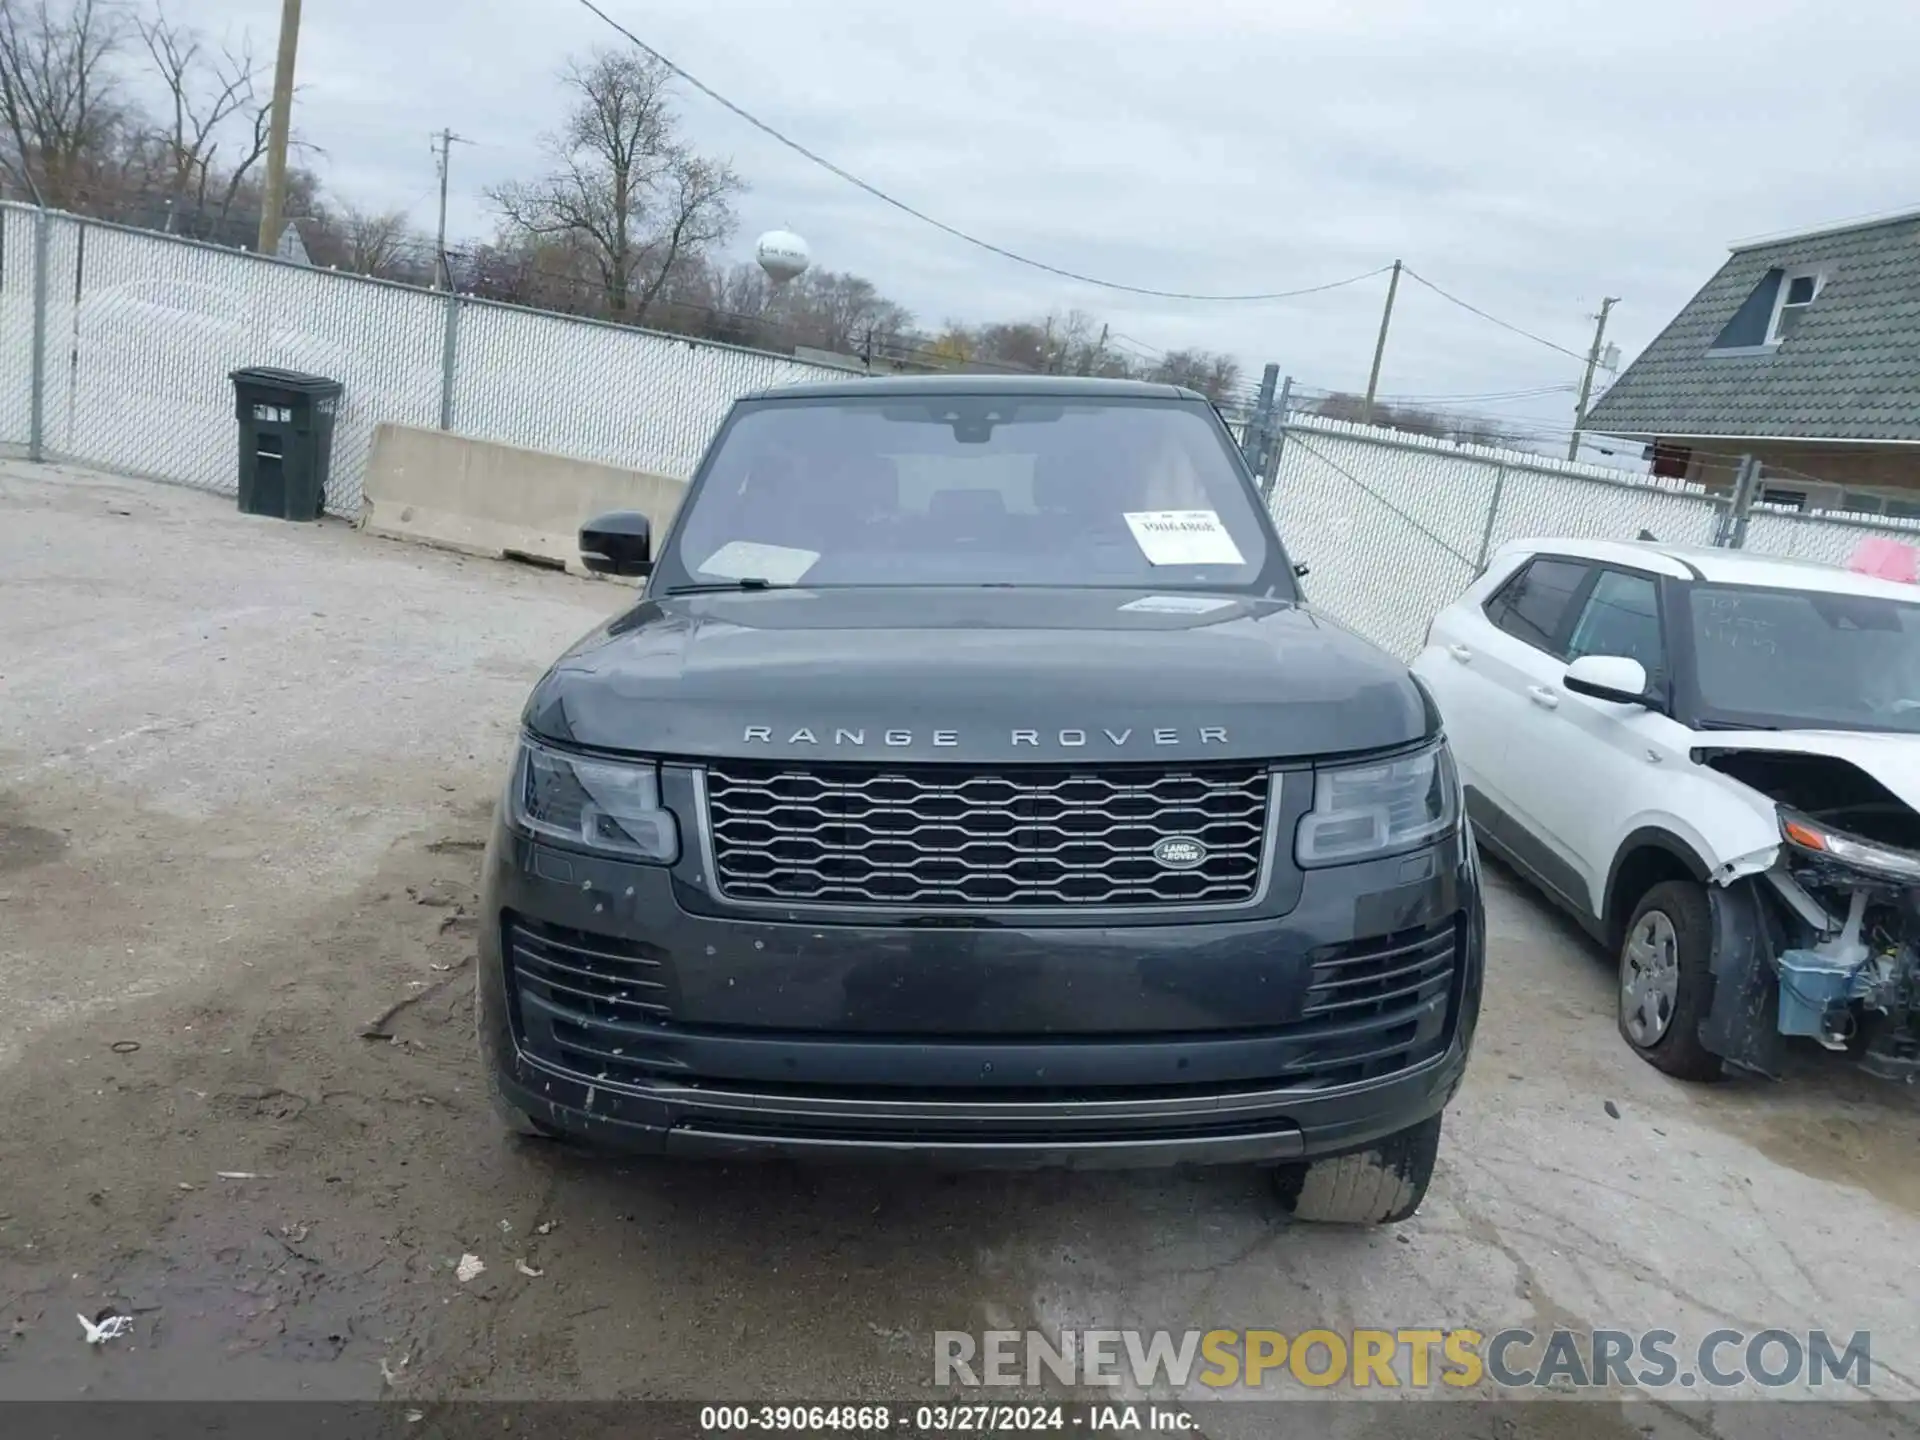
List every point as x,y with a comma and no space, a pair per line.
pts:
1850,370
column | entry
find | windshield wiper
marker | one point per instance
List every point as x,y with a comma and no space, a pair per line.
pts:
748,582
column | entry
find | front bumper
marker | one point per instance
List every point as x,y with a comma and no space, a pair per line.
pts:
652,1028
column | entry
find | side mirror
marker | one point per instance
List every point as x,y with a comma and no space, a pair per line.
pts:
1609,677
618,544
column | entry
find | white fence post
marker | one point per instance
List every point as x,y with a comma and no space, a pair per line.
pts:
1493,514
1282,408
1744,496
36,425
1731,532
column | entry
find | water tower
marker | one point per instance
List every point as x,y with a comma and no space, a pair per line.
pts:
783,255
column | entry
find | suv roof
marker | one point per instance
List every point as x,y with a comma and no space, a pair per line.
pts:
1725,567
1080,386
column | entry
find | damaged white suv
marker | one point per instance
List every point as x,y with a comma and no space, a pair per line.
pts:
1713,760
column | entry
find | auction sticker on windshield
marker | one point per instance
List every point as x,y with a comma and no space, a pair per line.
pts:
1183,537
750,560
1177,605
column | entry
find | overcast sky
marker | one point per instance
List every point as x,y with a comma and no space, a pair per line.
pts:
1530,157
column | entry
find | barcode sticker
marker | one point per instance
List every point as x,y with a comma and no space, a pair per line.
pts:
1183,537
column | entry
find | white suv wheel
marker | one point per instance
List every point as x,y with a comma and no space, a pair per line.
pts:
1650,978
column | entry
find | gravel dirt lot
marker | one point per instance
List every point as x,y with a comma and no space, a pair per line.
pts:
246,769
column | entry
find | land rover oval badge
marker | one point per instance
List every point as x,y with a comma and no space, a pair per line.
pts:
1177,852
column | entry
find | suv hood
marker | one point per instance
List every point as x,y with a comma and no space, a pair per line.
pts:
978,675
1892,760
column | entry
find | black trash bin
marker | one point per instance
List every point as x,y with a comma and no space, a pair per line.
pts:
286,440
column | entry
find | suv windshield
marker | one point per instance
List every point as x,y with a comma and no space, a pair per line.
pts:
973,490
1806,660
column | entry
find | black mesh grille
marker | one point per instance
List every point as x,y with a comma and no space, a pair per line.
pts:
1372,979
595,977
855,836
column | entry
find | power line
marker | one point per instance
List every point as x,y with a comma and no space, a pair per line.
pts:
941,225
1475,309
1484,397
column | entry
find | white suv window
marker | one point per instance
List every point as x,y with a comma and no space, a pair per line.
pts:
1621,617
1532,606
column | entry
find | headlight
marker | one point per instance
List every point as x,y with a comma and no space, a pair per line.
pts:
605,805
1849,850
1361,812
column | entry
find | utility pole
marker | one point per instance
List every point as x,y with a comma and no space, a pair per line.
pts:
1586,383
273,200
1090,364
1380,346
443,147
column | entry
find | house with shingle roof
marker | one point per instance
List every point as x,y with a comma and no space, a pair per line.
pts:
1804,352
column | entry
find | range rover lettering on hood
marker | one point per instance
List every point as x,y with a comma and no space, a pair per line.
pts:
1072,739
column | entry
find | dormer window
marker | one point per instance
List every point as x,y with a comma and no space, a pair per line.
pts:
1798,289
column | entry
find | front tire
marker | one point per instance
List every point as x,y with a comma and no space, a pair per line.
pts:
1666,980
1380,1185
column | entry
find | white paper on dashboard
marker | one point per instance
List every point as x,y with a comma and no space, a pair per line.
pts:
1177,605
750,560
1183,537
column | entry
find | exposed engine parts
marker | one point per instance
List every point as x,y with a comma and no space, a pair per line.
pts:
1847,883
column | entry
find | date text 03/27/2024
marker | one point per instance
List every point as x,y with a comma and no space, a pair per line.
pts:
941,1419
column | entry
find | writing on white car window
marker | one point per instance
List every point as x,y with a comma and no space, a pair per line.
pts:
1804,659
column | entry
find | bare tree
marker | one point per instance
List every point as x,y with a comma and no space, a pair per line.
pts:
744,290
206,89
1213,375
252,150
375,244
624,188
953,347
1342,405
60,103
1079,346
1459,427
841,312
1010,345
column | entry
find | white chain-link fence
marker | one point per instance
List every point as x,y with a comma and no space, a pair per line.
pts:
1393,527
1828,539
601,392
142,330
16,326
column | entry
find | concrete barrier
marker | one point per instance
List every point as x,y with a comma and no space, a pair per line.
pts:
486,499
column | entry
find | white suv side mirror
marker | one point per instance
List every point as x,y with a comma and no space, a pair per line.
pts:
1609,677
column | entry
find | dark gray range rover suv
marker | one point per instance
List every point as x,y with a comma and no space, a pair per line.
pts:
971,782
